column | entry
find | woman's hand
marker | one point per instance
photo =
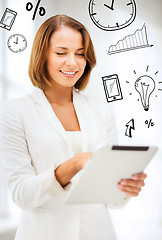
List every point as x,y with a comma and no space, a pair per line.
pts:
81,159
132,186
66,170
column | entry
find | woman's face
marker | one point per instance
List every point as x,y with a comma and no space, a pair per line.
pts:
65,59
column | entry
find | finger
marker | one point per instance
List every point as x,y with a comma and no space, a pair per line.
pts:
129,190
139,176
133,183
131,194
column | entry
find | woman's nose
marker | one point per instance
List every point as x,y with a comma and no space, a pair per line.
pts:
71,61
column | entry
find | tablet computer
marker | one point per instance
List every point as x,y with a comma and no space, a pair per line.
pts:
98,181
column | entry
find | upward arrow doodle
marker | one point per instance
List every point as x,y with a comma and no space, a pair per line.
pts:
129,127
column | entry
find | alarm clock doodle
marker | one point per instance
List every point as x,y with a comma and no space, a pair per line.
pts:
112,15
17,43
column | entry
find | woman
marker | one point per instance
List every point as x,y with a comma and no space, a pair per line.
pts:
48,136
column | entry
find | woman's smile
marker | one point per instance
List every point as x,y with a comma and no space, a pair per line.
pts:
69,74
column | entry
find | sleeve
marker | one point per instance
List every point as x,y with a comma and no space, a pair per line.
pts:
112,139
29,190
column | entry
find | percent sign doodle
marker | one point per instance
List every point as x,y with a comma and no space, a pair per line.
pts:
149,123
29,7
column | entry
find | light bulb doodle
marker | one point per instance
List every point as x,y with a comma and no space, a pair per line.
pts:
160,89
157,85
145,85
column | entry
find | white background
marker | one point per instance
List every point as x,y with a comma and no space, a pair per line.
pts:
142,217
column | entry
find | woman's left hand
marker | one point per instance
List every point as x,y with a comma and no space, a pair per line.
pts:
132,186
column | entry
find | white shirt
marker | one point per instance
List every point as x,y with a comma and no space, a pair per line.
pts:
75,138
94,220
33,143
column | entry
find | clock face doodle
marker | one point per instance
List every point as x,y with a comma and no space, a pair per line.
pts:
111,15
17,43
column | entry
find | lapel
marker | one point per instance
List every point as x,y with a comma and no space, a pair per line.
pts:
46,111
80,106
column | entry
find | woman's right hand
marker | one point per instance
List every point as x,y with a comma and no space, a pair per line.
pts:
68,169
81,159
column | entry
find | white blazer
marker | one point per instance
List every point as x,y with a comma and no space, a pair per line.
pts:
33,143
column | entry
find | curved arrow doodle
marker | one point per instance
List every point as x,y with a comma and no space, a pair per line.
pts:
129,127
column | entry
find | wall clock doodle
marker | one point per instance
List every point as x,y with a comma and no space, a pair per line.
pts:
112,15
17,43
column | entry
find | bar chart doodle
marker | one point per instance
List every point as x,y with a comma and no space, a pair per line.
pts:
8,19
134,41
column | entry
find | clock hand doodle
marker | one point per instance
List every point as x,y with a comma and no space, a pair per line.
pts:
17,43
114,16
112,5
16,40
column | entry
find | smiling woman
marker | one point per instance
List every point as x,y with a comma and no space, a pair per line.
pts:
42,47
48,136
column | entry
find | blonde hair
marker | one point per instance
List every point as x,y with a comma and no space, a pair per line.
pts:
38,65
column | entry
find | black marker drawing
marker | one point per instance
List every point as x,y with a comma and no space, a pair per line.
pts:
114,16
129,127
17,43
29,7
145,85
8,19
160,89
135,41
149,123
112,88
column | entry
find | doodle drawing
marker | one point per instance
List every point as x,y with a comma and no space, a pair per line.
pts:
129,127
114,16
131,42
160,89
17,43
112,88
8,19
149,123
145,85
42,10
145,90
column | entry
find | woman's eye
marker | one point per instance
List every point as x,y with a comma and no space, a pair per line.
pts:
60,53
81,54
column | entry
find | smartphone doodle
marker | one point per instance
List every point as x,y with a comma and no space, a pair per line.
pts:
112,88
8,19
